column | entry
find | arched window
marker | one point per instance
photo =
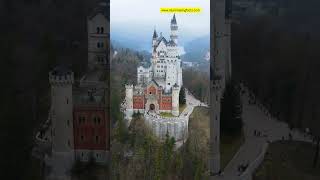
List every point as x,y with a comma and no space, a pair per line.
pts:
102,29
98,30
98,45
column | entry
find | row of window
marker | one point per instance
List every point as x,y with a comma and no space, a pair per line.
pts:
82,120
100,30
97,155
166,100
82,138
161,66
162,53
100,59
100,45
168,61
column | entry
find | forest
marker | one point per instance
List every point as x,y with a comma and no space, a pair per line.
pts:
197,82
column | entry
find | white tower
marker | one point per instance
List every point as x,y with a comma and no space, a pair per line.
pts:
154,38
174,29
218,73
179,72
98,32
129,101
175,100
171,76
61,80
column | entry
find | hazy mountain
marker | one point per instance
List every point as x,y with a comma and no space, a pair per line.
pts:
197,49
139,38
131,42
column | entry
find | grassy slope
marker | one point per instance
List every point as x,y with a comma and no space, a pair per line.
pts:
229,144
229,147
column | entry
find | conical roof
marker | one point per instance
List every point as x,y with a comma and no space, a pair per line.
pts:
173,20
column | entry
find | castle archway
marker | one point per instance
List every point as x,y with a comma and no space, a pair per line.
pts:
152,107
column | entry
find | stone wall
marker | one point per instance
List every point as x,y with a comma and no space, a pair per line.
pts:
176,127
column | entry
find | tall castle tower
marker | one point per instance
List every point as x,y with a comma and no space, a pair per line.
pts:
220,73
175,100
61,80
174,29
98,40
154,38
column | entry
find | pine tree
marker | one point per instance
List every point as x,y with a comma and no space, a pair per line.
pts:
182,96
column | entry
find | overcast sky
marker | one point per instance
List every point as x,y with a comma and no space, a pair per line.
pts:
144,15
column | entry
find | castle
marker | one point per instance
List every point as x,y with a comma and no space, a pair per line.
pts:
158,86
78,123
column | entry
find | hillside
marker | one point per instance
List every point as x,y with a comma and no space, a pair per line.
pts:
196,49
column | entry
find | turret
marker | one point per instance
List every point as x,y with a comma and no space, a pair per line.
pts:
61,80
175,100
98,37
154,38
174,29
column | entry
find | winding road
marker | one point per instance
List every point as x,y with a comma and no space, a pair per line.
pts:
256,117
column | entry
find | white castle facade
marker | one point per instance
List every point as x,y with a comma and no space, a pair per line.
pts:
165,62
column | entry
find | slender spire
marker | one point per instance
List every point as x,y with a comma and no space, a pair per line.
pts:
155,35
173,20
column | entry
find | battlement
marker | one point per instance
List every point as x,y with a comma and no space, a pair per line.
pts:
61,76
